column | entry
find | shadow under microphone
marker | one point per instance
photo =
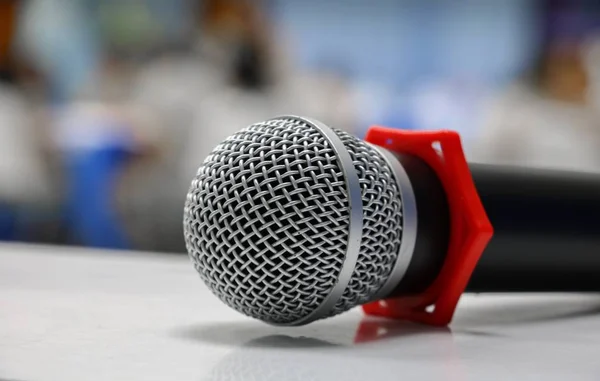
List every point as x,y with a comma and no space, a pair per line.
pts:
282,357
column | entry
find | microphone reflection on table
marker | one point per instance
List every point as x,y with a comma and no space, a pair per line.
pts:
382,350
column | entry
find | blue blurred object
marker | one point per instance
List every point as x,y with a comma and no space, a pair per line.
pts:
91,213
415,40
8,223
399,119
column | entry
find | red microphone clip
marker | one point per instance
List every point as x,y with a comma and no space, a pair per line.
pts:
470,228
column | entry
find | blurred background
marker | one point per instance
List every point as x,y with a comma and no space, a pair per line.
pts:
108,107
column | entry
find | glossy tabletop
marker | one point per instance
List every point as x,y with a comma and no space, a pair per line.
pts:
80,314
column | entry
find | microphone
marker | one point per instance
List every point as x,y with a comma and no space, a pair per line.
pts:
289,221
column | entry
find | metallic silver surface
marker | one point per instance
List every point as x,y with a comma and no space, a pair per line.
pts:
409,222
382,233
289,221
267,220
355,224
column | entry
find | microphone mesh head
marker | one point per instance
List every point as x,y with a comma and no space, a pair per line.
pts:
267,218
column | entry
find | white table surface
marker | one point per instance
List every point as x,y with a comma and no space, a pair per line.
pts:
79,314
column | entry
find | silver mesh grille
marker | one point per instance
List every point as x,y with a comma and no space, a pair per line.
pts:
267,217
382,223
266,220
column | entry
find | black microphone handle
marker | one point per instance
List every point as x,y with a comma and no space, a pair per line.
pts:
546,230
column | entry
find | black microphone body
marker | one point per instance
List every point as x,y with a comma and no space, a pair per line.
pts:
546,230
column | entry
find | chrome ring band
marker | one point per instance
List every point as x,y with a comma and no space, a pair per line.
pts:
409,223
355,223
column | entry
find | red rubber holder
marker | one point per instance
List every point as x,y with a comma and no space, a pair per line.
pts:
470,228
